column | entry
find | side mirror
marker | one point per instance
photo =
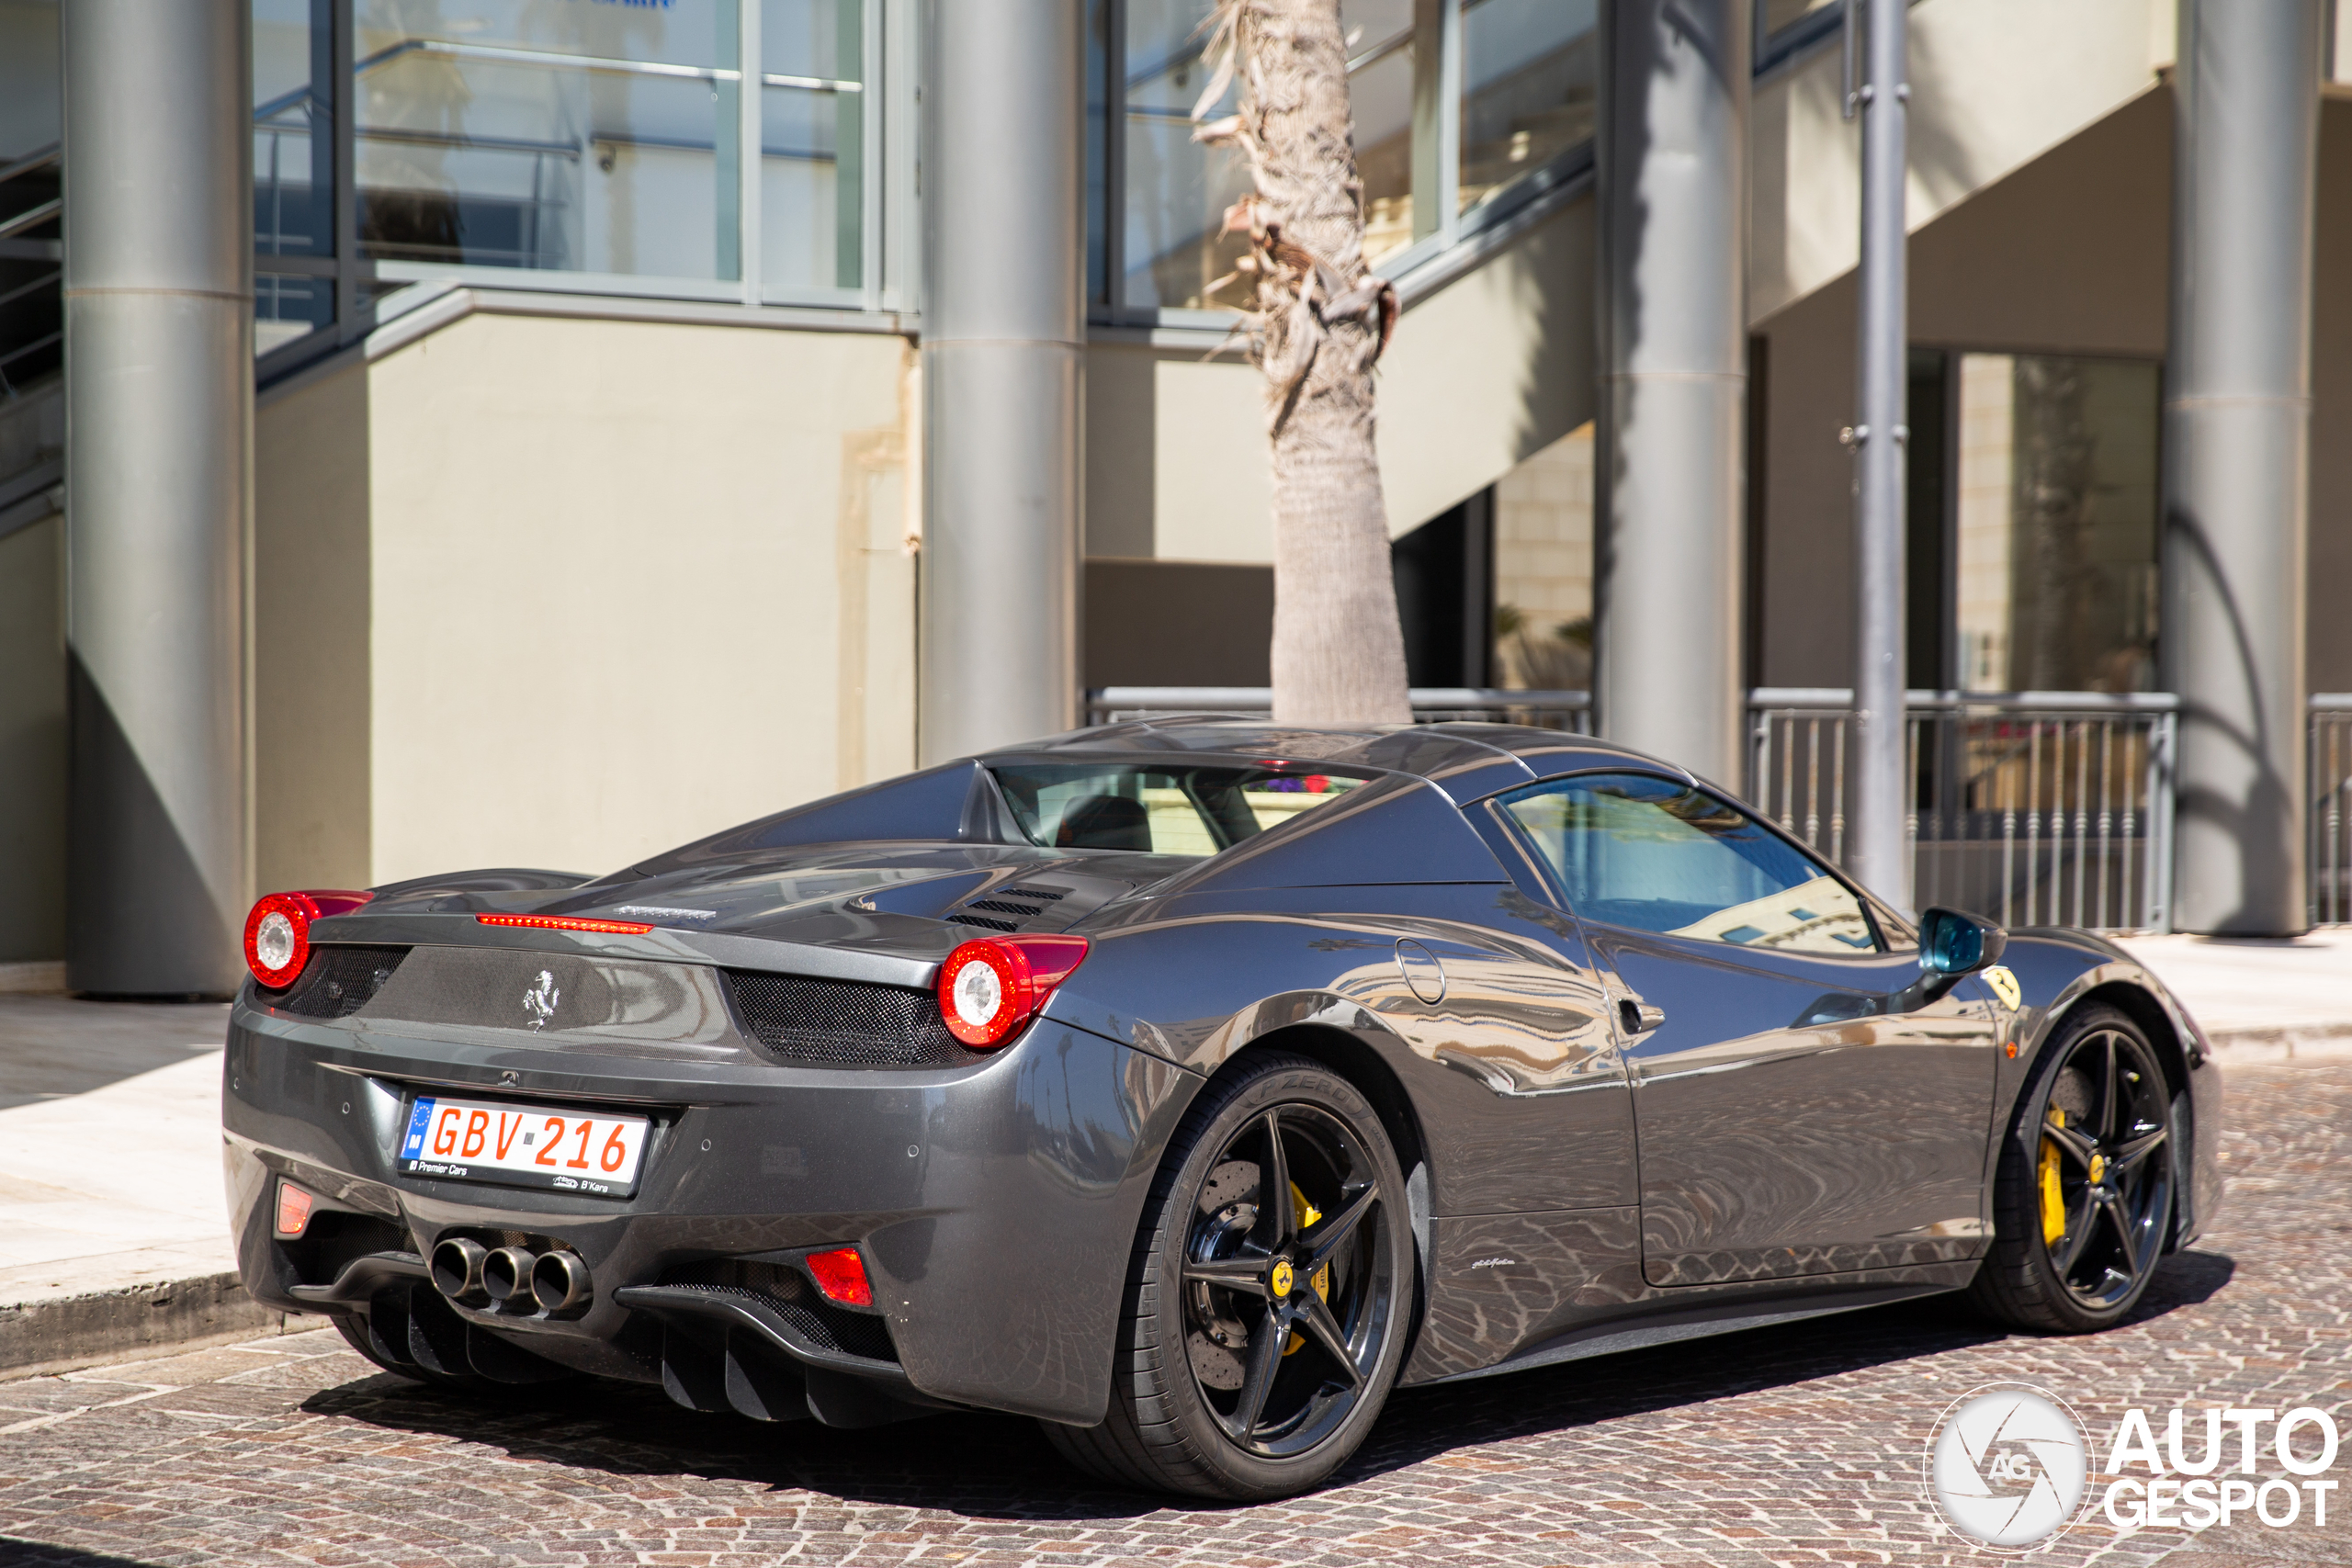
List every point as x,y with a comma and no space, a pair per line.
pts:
1952,943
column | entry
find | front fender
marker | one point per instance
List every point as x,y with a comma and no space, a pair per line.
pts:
2059,971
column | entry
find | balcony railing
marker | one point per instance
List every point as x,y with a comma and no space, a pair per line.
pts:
2033,807
2330,838
1571,711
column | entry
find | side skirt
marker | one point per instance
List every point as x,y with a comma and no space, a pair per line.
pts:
1695,1322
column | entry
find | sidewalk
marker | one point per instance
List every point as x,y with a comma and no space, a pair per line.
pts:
113,1223
2261,999
113,1228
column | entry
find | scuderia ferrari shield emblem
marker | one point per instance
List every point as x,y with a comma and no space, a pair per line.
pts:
2005,985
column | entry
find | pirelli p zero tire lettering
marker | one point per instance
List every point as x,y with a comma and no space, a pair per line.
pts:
2083,1194
1268,1297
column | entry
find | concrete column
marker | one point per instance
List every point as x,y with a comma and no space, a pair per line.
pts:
2237,416
1878,796
159,491
1673,325
1003,336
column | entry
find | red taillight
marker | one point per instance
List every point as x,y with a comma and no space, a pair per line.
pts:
566,923
293,1210
840,1274
989,987
278,932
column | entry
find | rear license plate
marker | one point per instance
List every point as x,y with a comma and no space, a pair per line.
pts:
524,1146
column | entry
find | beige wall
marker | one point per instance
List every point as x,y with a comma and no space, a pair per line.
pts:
32,743
311,615
1489,369
1995,85
582,591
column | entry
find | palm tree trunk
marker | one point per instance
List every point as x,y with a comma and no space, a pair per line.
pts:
1316,327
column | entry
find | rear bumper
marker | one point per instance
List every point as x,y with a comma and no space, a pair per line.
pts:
995,1207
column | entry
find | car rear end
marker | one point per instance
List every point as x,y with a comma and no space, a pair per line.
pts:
509,1146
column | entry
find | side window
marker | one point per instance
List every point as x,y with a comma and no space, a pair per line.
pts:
1630,849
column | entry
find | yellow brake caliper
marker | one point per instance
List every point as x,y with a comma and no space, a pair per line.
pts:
2053,1201
1307,1214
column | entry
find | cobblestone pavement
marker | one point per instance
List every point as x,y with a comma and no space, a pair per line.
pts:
1794,1445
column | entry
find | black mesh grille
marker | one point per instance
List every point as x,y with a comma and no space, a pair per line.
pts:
844,1023
785,1292
1021,905
338,981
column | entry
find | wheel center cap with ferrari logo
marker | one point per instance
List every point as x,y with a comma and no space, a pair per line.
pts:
2098,1167
1284,1277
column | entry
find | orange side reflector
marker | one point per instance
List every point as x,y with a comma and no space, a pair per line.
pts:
566,923
293,1209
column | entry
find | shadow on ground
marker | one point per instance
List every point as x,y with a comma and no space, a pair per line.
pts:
988,1466
19,1553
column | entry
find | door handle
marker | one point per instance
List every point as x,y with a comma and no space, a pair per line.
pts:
1638,1018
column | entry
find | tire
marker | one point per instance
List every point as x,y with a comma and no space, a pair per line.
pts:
1219,1278
2098,1167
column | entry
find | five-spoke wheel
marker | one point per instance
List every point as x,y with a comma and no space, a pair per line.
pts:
2084,1192
1268,1297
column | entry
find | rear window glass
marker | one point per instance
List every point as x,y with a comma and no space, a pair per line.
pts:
1158,809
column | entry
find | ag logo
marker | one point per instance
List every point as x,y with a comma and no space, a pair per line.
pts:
2005,985
2007,1466
540,999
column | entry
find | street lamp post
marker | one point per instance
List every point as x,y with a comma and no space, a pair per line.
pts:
1879,858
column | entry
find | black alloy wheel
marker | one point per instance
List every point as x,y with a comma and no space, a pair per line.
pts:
2084,1191
1269,1295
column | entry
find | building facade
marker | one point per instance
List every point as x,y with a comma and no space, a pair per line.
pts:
589,509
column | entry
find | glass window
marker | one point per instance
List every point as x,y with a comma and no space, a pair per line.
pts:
1774,15
1395,111
1177,191
288,305
30,110
1631,850
812,143
1528,89
1098,152
1162,810
575,136
293,129
32,317
2057,549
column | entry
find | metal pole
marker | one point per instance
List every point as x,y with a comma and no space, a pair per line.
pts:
158,479
1003,339
1878,802
2237,443
1673,326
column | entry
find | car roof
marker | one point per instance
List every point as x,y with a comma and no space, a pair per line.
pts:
1466,761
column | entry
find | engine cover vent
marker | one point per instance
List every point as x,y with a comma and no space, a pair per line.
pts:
1007,908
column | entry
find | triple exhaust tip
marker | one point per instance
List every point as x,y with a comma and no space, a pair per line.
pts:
511,1279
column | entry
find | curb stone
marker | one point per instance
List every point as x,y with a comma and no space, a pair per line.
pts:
42,1334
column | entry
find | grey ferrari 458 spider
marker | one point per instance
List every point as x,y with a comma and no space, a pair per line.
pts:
1188,1086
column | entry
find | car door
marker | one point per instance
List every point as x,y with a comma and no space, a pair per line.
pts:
1802,1104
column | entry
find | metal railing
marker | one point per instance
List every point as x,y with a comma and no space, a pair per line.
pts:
2032,808
2329,840
1570,711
